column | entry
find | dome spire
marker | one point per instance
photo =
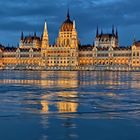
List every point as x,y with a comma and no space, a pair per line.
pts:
67,24
68,14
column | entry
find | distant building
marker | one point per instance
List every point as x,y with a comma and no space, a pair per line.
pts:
30,41
67,54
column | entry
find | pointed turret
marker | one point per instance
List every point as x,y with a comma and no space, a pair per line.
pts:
41,36
74,43
101,31
134,40
113,30
22,36
116,32
74,25
34,35
74,29
21,40
97,32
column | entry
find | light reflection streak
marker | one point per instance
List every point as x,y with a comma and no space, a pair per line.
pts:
66,83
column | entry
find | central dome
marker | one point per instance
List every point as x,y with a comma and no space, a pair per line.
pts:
67,24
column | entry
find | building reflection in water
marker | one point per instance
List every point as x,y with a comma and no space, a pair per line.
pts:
62,90
65,95
65,99
76,79
59,98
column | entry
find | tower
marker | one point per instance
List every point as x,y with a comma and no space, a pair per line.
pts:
68,41
45,41
45,38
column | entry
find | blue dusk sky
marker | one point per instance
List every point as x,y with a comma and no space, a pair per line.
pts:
29,15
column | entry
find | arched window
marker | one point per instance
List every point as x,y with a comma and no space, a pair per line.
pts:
134,54
68,42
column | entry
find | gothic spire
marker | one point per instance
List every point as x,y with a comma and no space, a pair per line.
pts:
45,38
45,26
45,33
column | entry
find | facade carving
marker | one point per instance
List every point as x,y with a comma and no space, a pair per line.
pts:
67,53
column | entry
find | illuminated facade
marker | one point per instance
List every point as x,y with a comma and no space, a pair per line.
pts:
36,53
107,40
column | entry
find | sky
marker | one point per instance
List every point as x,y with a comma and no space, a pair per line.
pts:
29,16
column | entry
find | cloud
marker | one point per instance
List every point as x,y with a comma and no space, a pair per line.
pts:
29,16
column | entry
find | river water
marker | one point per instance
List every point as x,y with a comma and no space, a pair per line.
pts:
75,105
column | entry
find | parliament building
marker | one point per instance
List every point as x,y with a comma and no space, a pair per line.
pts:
36,53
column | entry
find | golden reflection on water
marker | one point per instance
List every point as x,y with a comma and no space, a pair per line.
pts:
57,96
66,100
71,79
44,103
66,106
69,105
45,106
64,83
